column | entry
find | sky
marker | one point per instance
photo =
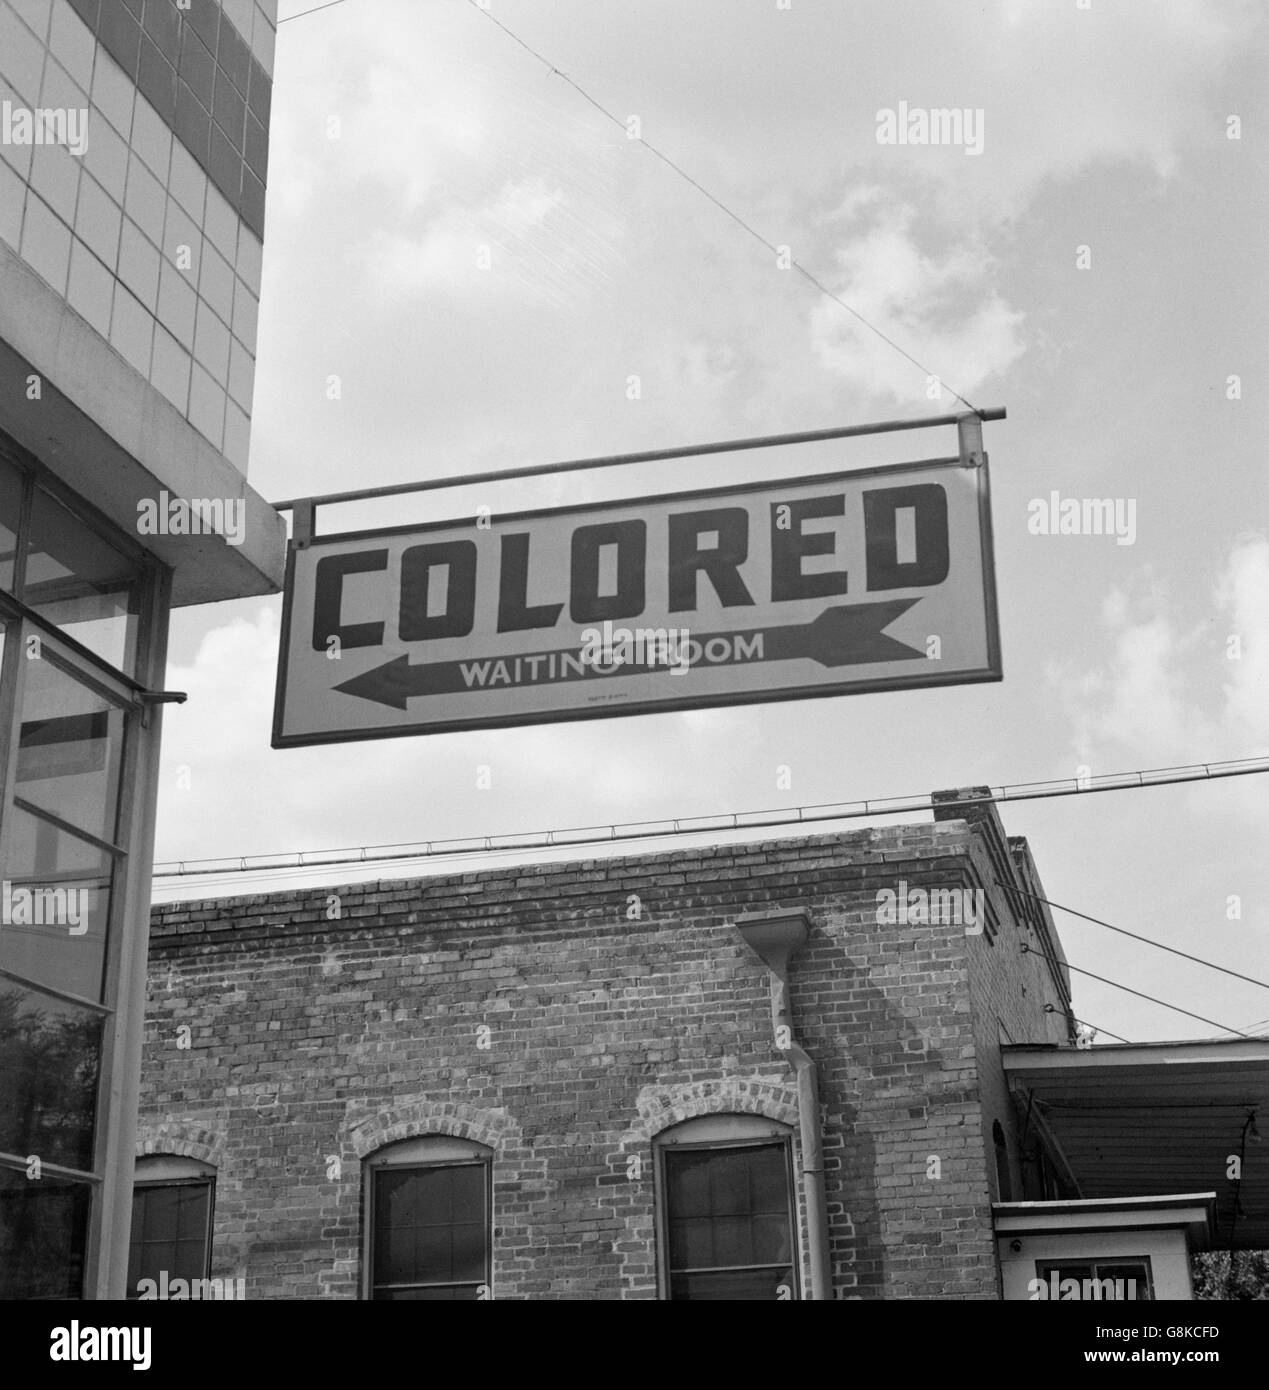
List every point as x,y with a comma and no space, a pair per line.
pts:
484,260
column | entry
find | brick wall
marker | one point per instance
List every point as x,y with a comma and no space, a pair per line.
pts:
617,999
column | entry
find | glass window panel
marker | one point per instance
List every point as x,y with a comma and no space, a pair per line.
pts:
729,1183
734,1285
468,1253
10,512
161,1214
771,1239
733,1244
48,1084
419,1238
691,1243
43,1236
397,1259
396,1198
467,1193
433,1256
726,1207
54,907
769,1181
688,1175
169,1233
1128,1273
77,581
70,750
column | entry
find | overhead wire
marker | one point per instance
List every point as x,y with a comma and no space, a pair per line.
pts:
330,5
475,846
1158,945
1176,1008
713,198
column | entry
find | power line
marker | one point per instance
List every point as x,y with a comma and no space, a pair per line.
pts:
330,5
1176,1008
581,837
1185,955
717,202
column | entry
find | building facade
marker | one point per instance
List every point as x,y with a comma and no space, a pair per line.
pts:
581,1080
133,147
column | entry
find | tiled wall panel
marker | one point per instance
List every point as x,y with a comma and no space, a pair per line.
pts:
152,233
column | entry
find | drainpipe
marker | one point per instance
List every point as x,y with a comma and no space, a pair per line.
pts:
775,937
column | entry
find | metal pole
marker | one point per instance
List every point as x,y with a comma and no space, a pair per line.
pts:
727,446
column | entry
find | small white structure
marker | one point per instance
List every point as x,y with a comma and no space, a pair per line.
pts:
1118,1248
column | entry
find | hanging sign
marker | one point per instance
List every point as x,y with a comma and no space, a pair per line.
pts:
834,584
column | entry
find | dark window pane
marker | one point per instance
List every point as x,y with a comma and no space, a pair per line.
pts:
160,1213
10,513
692,1243
48,1084
467,1193
729,1184
771,1239
54,907
81,584
70,749
737,1285
769,1179
169,1233
733,1243
468,1257
433,1256
43,1236
430,1228
689,1183
727,1207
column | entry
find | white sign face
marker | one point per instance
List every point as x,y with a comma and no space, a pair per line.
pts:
828,585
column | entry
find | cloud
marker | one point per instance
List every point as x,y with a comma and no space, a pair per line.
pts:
1170,693
1243,595
939,306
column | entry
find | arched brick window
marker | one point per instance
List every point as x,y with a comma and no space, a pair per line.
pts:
172,1201
726,1209
428,1220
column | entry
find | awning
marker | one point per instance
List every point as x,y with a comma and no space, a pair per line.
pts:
1156,1119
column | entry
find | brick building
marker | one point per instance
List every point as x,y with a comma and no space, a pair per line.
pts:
553,1032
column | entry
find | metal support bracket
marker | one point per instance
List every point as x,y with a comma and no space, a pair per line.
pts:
303,520
149,698
969,429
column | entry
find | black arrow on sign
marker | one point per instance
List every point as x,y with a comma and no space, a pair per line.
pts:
847,635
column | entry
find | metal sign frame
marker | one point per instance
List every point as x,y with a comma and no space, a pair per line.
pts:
971,457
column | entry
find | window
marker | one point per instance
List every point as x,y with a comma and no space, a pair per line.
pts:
80,576
428,1220
43,1236
82,607
171,1221
1110,1279
727,1229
